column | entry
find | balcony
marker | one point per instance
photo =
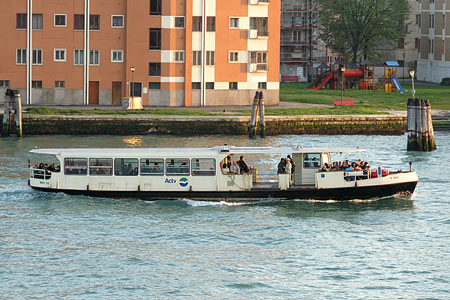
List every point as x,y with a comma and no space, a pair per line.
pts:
255,68
257,2
257,34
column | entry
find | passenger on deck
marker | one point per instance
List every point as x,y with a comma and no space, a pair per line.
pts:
334,166
325,168
293,164
366,166
243,167
288,166
281,168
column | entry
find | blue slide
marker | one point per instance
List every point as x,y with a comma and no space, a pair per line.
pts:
397,84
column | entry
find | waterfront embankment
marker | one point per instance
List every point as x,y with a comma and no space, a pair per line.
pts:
91,124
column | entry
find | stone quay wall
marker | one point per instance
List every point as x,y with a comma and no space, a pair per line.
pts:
135,124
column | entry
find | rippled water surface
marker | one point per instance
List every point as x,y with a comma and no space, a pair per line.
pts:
55,246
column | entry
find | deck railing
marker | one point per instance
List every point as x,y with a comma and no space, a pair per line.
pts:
40,174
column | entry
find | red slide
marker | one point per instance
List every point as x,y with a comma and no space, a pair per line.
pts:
324,81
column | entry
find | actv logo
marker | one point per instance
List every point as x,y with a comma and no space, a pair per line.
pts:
184,182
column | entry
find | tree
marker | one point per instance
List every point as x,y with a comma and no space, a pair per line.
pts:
354,27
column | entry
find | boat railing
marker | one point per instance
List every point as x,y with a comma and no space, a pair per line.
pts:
40,174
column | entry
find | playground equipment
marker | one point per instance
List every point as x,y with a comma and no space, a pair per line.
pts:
390,80
337,76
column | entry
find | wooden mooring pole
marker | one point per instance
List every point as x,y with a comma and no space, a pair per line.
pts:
254,117
262,122
420,126
12,112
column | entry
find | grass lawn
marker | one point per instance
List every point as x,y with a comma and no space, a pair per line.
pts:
366,102
438,95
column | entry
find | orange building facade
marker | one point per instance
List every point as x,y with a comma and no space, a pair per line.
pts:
169,52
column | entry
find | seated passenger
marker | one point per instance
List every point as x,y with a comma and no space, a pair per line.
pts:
243,167
334,166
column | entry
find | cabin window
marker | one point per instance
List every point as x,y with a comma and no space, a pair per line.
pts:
177,166
75,166
126,167
152,166
203,167
311,161
100,166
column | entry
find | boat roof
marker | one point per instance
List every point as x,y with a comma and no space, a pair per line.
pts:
117,152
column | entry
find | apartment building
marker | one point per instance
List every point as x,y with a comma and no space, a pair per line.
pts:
301,49
433,40
169,52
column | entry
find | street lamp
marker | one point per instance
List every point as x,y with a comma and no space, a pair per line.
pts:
132,81
413,91
342,84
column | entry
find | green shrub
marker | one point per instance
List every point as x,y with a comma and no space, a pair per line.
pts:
445,81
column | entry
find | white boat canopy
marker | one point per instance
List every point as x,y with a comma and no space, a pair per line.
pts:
116,152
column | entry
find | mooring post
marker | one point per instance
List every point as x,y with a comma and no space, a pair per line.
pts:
429,125
252,127
18,112
420,126
262,122
6,115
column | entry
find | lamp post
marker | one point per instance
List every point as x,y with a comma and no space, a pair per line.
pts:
342,84
413,91
132,81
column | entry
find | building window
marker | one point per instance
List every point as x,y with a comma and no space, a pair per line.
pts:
262,85
21,56
196,58
401,43
210,58
60,84
155,39
36,84
431,46
94,22
233,56
37,56
210,85
432,21
233,86
116,55
78,22
196,85
234,22
94,57
4,83
211,24
59,55
196,23
258,57
21,21
37,21
117,21
260,24
154,85
179,22
78,57
155,7
179,56
154,69
60,21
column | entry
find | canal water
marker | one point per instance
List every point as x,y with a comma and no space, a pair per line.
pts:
55,246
